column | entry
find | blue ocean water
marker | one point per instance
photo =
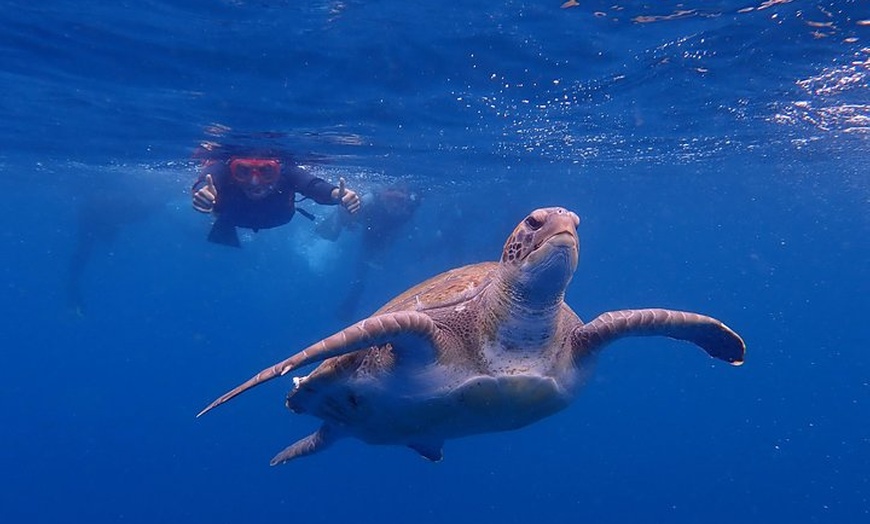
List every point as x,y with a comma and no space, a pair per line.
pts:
717,153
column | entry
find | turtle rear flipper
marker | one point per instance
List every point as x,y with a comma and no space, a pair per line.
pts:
402,328
317,441
431,451
711,335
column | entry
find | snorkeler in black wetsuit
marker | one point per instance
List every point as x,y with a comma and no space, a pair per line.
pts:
258,191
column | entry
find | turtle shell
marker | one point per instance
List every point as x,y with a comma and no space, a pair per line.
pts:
451,288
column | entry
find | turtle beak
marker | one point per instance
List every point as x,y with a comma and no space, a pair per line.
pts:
557,234
559,230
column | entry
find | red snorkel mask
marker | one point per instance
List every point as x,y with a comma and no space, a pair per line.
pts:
248,170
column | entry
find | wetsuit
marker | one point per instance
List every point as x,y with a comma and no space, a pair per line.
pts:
234,209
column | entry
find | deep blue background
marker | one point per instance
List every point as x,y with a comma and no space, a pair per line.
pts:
718,158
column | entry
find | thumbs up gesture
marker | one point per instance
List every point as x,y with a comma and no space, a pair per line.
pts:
347,197
205,197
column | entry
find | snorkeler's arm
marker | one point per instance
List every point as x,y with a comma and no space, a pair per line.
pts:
313,187
323,192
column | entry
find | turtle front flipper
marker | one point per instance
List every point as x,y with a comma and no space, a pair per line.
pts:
372,331
711,335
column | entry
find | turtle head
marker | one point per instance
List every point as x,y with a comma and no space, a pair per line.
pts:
541,254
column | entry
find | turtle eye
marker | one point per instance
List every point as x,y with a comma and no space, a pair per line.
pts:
533,222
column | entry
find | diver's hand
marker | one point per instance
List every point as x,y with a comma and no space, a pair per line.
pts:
347,197
205,197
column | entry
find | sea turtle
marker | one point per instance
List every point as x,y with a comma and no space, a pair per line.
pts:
482,348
